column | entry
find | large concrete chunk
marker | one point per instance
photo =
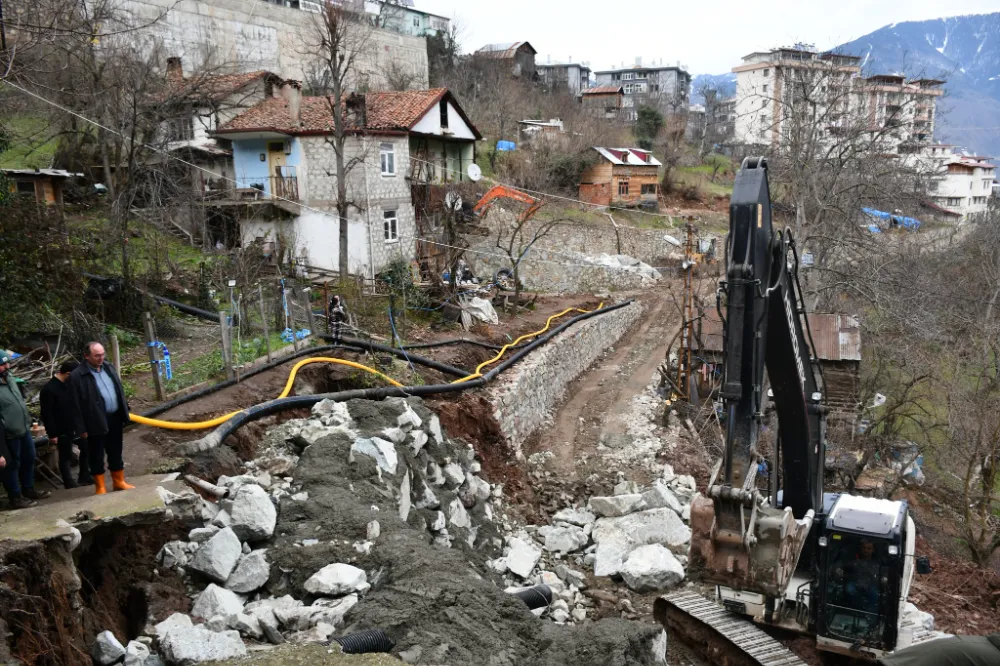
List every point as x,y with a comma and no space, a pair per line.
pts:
217,556
332,413
617,505
617,537
107,650
522,557
250,574
332,611
177,620
379,450
335,580
184,646
217,601
247,624
580,517
563,539
659,496
253,514
138,654
652,568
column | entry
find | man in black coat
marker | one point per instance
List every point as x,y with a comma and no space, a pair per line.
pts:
100,415
58,407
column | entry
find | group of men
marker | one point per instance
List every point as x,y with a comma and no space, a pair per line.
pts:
83,404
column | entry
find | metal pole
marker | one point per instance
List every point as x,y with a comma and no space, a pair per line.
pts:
154,362
310,317
227,352
326,304
263,318
116,357
290,297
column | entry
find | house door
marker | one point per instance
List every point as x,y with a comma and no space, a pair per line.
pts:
282,177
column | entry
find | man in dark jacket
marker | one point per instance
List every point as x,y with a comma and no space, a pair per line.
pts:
100,416
58,407
19,470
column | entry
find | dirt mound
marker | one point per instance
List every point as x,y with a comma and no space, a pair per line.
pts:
963,598
439,604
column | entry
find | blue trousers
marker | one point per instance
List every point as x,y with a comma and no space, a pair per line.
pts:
19,474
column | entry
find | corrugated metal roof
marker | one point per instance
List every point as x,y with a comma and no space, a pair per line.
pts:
602,90
837,336
628,156
503,51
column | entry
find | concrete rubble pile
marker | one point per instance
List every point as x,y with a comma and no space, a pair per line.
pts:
625,263
639,535
365,516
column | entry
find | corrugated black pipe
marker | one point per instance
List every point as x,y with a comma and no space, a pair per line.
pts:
186,309
371,641
375,347
457,341
538,596
256,412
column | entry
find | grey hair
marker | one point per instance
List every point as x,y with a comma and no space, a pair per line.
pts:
89,346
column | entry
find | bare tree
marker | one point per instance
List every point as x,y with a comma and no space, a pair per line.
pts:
515,238
343,37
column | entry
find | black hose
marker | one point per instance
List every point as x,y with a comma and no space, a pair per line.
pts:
457,341
374,347
371,641
538,596
256,412
186,309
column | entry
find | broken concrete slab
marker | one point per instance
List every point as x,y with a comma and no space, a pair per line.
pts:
660,496
337,579
185,646
332,413
217,557
379,450
574,516
250,574
247,624
522,557
617,505
253,514
177,620
458,516
563,539
217,601
617,537
202,534
332,611
107,649
651,568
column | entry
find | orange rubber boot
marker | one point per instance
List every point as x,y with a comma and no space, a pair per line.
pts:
118,481
99,484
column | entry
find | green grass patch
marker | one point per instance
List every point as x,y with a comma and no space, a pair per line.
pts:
32,145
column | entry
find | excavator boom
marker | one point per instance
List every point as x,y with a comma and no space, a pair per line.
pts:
504,192
740,540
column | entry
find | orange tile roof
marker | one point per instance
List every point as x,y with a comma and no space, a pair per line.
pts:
385,112
214,87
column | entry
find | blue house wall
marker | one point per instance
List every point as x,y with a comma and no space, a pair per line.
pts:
251,171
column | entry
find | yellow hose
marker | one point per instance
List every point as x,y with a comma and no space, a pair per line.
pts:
202,425
548,322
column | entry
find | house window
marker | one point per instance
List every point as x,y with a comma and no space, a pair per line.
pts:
623,188
766,71
387,158
390,226
416,21
954,201
649,189
443,108
628,88
627,76
764,89
180,129
26,187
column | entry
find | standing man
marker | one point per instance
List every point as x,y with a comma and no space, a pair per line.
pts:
100,416
58,407
19,470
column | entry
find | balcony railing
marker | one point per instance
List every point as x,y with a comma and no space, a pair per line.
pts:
284,187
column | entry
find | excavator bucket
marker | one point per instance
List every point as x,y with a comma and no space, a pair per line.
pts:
761,560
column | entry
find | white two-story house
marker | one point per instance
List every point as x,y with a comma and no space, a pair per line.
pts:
285,167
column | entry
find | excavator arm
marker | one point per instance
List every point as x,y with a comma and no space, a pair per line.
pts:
504,192
741,539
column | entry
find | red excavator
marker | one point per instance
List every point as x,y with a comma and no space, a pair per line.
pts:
504,192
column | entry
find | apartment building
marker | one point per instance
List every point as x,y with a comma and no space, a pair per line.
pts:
959,185
666,87
403,17
568,77
788,88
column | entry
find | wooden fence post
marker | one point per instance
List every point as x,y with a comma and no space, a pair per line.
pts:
310,317
116,356
227,350
263,318
326,303
153,357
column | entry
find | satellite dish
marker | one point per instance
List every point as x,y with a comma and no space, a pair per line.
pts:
475,173
453,201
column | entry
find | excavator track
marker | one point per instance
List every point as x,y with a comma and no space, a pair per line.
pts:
719,636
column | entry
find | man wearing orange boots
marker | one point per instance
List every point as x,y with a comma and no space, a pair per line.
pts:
101,415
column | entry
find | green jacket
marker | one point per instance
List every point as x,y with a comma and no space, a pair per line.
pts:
13,410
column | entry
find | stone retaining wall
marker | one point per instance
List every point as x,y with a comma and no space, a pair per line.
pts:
525,395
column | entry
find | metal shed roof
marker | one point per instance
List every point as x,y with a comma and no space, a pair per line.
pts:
837,336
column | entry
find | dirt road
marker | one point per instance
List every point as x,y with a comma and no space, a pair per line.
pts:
600,408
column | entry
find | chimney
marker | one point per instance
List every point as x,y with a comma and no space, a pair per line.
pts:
291,91
638,61
357,109
175,70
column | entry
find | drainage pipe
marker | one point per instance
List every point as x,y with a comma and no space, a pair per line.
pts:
370,641
216,437
538,596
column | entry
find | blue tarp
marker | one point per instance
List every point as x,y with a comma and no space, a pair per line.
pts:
894,220
506,145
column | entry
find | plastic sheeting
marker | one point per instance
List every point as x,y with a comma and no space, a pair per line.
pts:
481,309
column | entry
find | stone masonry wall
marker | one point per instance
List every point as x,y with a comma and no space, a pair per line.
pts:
525,395
551,264
261,35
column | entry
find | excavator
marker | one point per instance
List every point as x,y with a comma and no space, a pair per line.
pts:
775,547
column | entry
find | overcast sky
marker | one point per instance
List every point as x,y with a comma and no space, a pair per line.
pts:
709,36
